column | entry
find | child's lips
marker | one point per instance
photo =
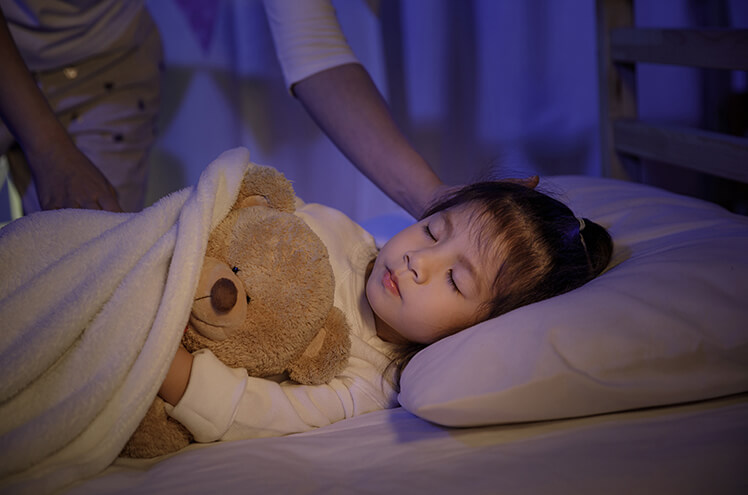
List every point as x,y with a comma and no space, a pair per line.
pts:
389,281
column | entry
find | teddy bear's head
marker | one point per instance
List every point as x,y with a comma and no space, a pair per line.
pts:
265,298
264,302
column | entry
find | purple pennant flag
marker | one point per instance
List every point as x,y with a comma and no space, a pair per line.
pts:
201,15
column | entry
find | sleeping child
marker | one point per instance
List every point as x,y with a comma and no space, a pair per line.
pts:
481,251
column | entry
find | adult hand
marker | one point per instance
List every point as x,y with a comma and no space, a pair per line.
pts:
444,190
531,182
68,179
64,177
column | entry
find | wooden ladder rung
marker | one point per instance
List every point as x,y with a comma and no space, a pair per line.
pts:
703,48
705,151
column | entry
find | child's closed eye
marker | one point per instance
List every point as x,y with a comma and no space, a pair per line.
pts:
428,232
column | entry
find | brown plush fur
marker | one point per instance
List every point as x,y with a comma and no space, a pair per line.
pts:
288,324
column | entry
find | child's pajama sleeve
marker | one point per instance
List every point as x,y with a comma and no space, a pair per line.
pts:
224,403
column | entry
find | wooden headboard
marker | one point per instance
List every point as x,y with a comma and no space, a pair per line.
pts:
632,149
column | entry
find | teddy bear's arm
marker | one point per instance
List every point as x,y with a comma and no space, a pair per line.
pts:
327,354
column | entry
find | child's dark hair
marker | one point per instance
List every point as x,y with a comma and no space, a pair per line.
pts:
543,249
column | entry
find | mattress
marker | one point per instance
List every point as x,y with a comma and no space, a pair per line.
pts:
695,448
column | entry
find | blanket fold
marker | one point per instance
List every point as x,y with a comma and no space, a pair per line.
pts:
92,307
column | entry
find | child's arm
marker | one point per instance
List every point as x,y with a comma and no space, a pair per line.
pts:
175,383
221,403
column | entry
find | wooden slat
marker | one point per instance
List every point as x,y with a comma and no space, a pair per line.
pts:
709,152
616,82
704,48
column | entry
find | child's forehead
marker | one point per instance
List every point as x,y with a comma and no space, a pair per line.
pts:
474,220
480,226
473,217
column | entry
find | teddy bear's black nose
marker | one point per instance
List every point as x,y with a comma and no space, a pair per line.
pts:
223,295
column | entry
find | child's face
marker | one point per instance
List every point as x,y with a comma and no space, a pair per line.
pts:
430,279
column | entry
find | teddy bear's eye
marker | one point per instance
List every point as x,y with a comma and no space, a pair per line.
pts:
235,269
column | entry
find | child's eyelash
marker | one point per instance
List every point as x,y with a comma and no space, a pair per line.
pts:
451,281
428,232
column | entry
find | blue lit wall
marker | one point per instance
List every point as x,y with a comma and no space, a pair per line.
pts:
476,85
508,86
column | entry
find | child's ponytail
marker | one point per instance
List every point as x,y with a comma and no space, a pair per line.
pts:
597,244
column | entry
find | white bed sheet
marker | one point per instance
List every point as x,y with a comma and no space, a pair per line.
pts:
694,448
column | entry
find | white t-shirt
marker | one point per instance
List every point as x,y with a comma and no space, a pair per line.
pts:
56,33
224,403
307,36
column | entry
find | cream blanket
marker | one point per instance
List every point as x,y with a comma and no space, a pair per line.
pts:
92,308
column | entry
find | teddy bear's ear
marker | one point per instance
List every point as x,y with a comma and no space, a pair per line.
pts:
326,355
266,183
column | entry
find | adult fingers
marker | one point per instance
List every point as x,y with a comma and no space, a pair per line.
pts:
110,203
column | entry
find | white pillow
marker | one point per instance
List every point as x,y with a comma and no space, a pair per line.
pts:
666,323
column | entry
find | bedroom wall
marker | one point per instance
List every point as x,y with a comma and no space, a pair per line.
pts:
478,85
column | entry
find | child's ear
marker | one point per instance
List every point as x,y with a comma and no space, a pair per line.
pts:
326,355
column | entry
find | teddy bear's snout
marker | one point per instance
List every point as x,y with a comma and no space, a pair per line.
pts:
223,295
220,304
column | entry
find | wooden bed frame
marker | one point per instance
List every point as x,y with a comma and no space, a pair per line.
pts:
646,151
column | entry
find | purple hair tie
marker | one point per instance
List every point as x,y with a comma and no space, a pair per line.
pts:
584,244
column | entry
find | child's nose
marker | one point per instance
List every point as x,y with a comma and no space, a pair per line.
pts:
421,264
411,262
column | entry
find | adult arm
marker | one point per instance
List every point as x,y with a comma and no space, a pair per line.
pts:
338,93
64,177
347,106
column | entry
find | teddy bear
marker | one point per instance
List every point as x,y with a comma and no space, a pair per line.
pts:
264,302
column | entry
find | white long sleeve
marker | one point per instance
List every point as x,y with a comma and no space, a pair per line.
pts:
268,408
210,402
308,38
